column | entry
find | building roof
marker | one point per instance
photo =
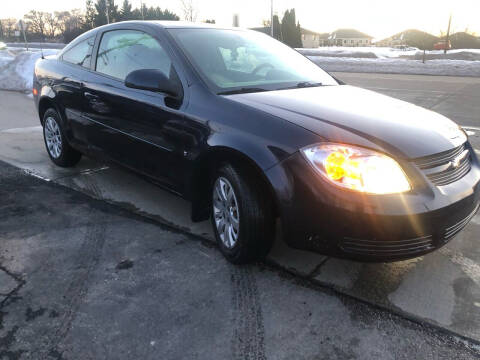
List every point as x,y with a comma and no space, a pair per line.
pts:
263,29
310,32
349,33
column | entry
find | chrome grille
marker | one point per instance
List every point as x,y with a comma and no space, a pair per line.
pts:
446,167
387,248
454,229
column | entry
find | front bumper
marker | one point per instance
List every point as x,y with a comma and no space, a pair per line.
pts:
324,218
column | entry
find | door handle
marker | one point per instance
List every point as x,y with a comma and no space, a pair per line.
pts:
90,96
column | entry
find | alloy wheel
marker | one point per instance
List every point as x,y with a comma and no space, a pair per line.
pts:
225,212
53,138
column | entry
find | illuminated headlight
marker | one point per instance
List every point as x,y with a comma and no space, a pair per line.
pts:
357,169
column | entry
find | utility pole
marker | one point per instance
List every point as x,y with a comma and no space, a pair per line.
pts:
447,41
21,25
271,18
141,10
108,16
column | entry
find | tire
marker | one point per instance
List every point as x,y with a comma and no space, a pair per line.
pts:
255,225
58,148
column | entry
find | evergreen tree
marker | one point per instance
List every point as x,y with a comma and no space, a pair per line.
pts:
90,13
298,36
101,12
277,30
291,34
113,13
126,12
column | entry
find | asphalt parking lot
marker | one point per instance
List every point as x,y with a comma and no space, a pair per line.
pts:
82,279
440,290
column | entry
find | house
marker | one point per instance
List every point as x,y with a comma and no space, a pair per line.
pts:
312,39
349,37
463,40
411,37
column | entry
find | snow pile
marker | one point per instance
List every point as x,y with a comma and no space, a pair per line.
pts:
16,68
388,52
360,52
2,45
399,66
461,62
37,45
5,57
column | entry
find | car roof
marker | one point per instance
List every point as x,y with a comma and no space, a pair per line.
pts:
170,24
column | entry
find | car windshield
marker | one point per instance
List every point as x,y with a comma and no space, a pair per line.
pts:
235,61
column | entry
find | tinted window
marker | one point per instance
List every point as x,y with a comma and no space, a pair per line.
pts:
81,53
123,51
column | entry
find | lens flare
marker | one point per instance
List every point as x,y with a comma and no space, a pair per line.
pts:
358,169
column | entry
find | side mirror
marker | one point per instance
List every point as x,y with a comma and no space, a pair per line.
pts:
151,80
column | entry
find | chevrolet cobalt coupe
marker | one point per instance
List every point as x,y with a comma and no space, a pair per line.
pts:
255,134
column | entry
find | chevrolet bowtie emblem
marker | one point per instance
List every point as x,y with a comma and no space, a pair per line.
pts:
455,162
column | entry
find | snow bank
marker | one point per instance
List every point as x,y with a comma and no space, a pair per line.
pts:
461,62
37,45
388,52
359,52
399,66
16,68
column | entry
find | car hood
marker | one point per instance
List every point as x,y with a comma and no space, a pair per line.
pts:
357,116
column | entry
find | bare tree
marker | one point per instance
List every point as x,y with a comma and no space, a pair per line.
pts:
36,21
69,20
52,25
190,12
8,27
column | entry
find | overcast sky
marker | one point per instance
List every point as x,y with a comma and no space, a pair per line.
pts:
379,18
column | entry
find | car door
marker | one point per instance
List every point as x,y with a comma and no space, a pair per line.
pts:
76,61
131,126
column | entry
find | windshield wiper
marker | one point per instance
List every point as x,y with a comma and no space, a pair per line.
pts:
304,84
242,91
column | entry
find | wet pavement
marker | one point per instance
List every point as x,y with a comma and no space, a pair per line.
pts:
442,288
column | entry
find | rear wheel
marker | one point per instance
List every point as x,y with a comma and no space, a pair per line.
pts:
60,152
242,215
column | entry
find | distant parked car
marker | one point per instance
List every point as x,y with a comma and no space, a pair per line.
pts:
442,45
251,131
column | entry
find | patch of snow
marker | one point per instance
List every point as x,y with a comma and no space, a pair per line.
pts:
37,45
5,57
28,129
398,66
16,68
360,52
389,52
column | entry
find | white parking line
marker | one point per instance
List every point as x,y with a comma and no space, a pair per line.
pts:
22,130
470,127
409,90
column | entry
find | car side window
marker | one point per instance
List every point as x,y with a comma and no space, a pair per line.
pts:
81,53
123,51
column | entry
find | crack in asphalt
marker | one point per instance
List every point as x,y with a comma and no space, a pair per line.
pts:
20,282
9,338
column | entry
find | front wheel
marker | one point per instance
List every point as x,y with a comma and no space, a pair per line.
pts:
242,216
59,150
